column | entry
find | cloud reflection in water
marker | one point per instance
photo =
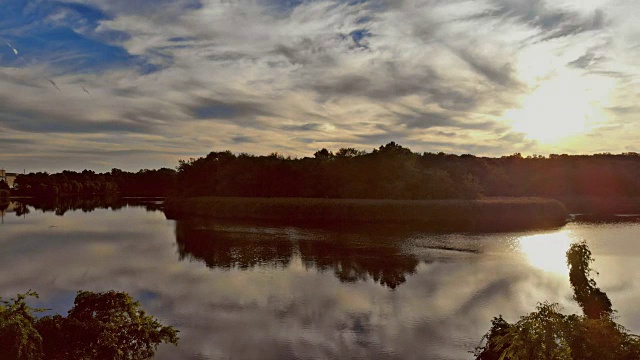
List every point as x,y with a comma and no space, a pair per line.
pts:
285,292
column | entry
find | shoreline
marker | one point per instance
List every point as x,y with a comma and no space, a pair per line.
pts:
489,214
593,205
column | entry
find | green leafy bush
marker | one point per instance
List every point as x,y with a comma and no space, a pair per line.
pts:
107,325
547,334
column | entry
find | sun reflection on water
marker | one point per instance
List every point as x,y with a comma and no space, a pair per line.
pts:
547,251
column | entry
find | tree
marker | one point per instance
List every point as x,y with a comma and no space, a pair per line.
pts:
594,302
350,152
550,335
323,154
108,325
19,338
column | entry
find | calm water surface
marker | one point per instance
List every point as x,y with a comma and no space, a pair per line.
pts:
273,292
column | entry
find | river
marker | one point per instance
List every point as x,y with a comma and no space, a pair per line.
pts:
248,291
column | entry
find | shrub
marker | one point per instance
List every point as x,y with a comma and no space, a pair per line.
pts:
108,325
550,335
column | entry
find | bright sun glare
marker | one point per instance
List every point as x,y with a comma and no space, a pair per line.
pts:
547,251
561,107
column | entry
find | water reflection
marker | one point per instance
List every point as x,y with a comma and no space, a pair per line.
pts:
232,248
61,205
352,255
290,304
547,251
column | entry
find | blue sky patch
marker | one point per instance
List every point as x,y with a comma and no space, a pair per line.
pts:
62,37
358,35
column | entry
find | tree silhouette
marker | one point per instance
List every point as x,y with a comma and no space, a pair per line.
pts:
594,303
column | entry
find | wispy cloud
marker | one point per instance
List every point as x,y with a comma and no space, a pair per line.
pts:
291,76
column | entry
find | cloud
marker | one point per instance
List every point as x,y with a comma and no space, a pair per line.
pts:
203,72
50,124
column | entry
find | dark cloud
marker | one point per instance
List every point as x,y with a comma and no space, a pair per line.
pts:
501,74
625,110
345,85
574,25
553,21
243,139
118,153
303,127
455,100
316,51
34,122
424,120
230,56
242,113
12,141
418,119
585,61
383,82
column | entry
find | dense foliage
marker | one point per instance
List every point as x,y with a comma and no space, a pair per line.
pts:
143,183
4,189
594,302
107,325
388,172
392,171
550,335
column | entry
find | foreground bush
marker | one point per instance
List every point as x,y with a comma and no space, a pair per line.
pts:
550,335
107,325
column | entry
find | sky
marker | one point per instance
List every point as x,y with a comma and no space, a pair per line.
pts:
132,84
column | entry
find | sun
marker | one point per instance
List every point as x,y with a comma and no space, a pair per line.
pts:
561,107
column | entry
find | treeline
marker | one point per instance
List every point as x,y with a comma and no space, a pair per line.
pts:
395,172
388,172
87,183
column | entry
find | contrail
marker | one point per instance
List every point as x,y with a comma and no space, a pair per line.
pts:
54,84
85,90
15,51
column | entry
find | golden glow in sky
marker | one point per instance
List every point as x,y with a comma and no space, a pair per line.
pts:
568,104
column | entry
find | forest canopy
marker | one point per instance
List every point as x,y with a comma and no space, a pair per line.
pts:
390,171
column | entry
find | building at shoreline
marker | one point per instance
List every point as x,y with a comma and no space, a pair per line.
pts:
8,177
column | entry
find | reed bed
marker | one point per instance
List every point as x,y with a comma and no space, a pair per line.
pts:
602,205
489,214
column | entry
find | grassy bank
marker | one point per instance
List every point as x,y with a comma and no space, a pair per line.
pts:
491,214
602,205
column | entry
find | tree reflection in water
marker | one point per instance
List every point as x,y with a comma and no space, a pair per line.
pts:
63,204
353,255
229,249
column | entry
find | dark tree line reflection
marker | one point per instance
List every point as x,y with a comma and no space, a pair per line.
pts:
231,250
351,256
61,205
